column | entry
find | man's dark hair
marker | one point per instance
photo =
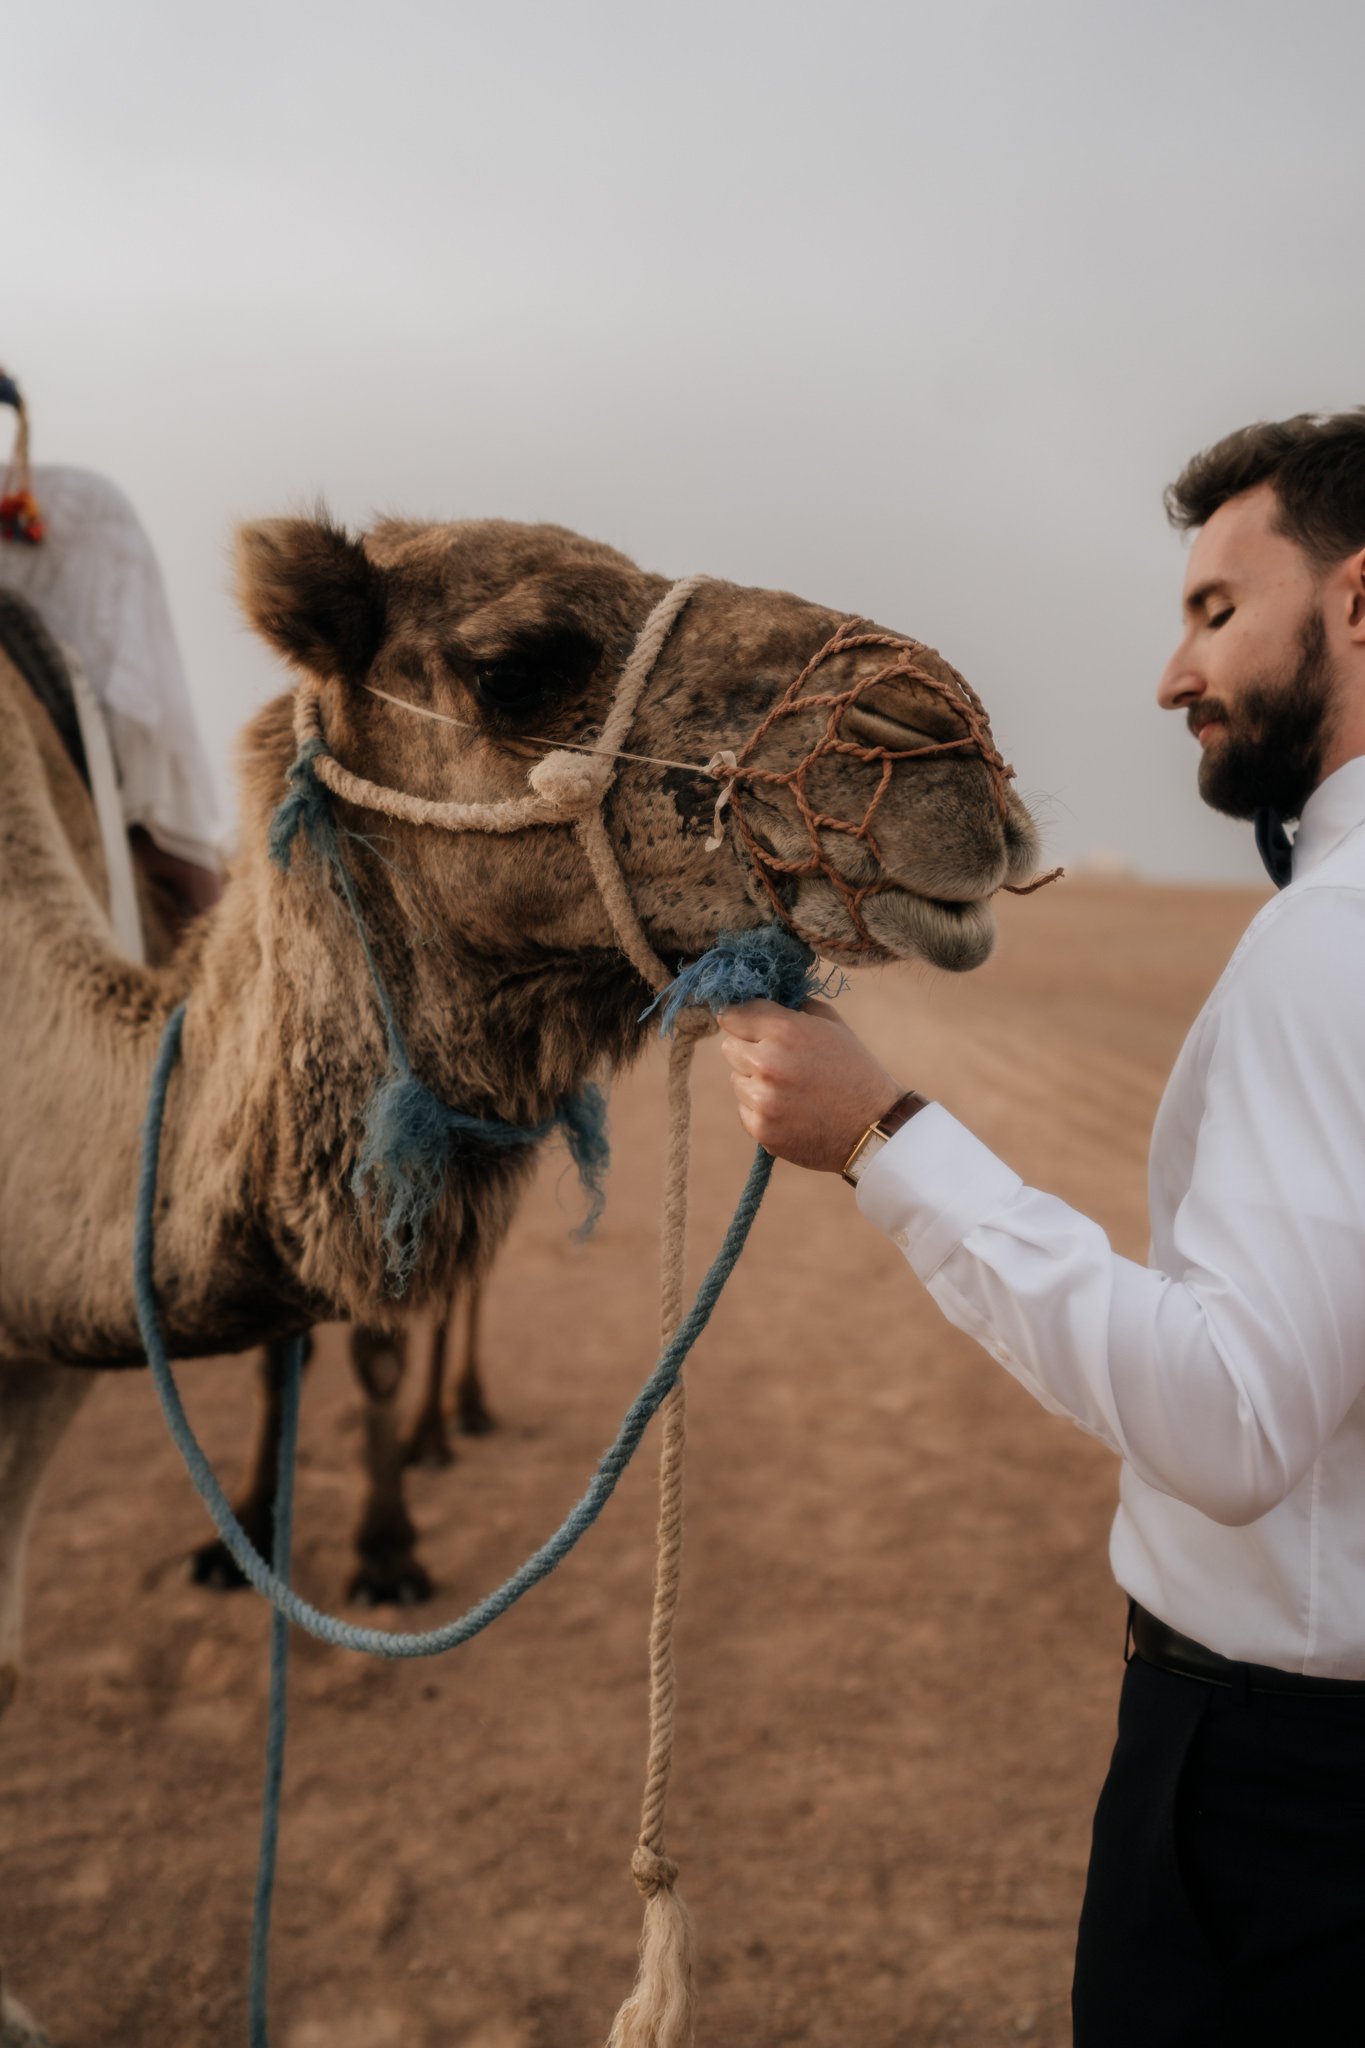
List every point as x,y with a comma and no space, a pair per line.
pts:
1316,465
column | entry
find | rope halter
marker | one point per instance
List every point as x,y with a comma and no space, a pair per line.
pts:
569,784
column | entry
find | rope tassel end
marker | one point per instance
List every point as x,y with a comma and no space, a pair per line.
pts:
660,2011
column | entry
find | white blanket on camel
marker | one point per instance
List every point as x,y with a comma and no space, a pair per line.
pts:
98,586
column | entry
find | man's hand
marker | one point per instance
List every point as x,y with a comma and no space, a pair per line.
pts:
807,1086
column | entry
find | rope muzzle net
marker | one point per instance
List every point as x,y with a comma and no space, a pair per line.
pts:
799,701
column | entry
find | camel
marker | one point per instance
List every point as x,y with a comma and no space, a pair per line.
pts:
495,948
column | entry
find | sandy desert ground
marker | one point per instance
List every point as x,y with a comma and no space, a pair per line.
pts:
899,1649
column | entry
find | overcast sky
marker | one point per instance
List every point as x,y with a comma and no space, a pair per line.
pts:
911,308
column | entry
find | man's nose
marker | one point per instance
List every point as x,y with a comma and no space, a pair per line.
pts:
1180,683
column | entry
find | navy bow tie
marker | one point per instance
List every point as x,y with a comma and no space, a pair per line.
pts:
1275,847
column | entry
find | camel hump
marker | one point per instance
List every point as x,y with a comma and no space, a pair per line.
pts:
43,666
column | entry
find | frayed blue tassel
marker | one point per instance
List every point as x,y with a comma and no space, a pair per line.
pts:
742,967
411,1137
405,1152
583,1120
305,807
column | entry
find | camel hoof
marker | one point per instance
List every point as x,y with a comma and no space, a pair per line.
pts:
398,1583
18,2028
214,1566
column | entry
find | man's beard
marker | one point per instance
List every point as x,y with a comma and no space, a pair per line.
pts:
1272,751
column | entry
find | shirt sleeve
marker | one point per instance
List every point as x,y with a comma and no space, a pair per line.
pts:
1221,1381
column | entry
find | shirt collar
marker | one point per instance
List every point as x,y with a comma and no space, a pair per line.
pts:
1335,808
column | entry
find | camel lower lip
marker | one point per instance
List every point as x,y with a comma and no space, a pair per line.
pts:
952,934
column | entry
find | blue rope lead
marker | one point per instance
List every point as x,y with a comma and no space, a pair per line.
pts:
329,1628
273,1584
769,964
277,1711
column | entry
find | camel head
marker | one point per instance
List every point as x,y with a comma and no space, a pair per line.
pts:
516,636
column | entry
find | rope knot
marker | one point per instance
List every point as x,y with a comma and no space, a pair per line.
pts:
723,768
652,1872
740,966
572,784
303,808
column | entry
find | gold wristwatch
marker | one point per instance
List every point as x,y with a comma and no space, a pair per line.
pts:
881,1133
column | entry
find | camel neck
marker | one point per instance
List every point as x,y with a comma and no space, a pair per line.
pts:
283,1045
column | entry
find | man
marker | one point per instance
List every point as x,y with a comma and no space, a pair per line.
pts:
1226,1895
75,549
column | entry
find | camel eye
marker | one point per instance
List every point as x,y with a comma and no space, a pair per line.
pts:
508,685
527,675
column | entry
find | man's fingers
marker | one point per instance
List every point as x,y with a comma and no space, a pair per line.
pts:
736,1053
760,1058
762,1019
754,1125
753,1020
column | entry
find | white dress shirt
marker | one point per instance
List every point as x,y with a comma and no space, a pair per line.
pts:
1229,1372
97,584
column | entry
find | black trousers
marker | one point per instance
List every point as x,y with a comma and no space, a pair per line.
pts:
1225,1905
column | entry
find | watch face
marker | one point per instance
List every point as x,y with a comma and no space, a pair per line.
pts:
867,1152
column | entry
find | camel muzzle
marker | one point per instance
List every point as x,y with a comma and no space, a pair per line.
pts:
858,877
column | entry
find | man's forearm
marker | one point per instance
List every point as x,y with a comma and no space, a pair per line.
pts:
1207,1393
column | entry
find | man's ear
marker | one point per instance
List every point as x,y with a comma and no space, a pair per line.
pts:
313,593
1356,614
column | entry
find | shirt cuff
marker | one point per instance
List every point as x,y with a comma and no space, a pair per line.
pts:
931,1185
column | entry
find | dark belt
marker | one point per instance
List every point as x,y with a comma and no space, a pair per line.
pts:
1165,1647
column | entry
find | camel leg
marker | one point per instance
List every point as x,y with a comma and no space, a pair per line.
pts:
428,1442
36,1404
471,1410
213,1564
386,1541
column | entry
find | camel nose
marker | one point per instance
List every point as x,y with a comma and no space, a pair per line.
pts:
903,714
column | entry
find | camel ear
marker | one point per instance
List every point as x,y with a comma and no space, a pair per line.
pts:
313,593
